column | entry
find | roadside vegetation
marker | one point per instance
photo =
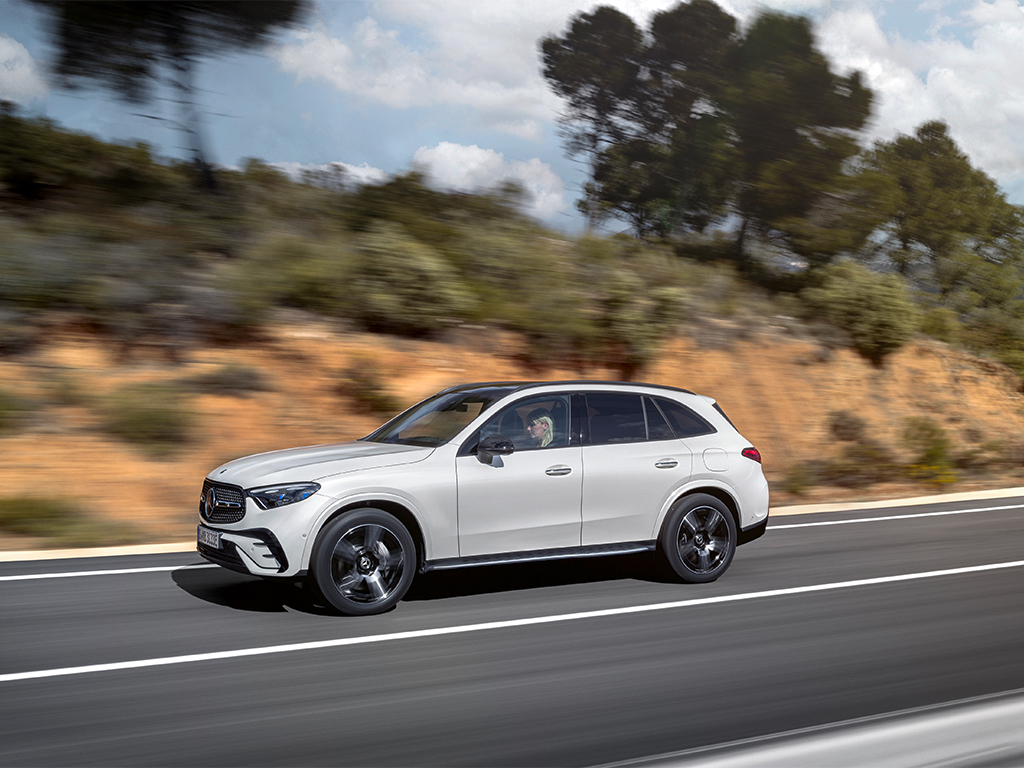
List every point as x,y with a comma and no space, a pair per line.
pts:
733,159
60,521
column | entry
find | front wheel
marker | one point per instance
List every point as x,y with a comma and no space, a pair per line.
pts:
364,562
698,540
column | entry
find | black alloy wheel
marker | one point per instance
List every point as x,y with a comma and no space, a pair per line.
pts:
364,562
698,540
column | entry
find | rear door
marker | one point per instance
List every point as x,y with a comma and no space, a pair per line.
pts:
633,464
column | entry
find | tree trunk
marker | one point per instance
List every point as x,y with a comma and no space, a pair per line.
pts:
183,65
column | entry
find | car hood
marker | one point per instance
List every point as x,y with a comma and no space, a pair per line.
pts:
296,465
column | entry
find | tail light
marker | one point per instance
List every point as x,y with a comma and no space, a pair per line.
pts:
752,453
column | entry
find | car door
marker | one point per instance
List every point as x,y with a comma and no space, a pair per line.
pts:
530,499
633,464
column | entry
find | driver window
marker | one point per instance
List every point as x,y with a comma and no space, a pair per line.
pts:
540,422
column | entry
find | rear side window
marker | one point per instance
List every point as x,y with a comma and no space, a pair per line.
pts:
684,422
616,419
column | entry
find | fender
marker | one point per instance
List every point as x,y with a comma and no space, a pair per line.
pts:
365,497
694,486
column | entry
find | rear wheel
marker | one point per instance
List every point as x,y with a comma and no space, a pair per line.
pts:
364,562
698,540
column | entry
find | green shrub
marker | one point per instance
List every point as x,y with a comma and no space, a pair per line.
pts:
60,520
798,478
294,271
400,285
941,323
861,464
365,384
62,389
1013,359
637,301
929,445
154,416
994,331
876,310
530,284
847,427
230,379
12,411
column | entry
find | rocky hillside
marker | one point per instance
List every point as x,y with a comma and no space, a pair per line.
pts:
73,403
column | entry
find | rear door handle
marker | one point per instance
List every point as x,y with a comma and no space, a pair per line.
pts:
666,464
559,470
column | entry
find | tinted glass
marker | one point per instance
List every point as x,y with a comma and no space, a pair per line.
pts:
436,420
684,422
616,419
539,422
657,427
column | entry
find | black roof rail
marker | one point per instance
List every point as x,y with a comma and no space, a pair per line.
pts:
561,383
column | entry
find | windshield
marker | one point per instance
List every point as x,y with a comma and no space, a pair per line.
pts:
437,420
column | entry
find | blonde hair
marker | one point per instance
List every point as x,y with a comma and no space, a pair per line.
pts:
548,433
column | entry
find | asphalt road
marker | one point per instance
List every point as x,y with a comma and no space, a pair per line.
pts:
161,660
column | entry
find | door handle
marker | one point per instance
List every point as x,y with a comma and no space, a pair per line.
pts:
556,471
666,464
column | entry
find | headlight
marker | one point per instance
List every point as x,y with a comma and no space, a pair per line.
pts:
280,495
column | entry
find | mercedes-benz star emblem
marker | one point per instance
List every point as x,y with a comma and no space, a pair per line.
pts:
210,501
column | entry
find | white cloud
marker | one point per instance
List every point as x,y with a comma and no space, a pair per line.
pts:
374,64
472,169
20,80
360,174
960,64
971,82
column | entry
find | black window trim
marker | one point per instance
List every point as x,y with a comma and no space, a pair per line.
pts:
654,402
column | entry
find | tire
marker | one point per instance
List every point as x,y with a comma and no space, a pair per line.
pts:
698,539
364,562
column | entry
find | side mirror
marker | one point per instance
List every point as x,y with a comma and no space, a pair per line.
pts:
492,446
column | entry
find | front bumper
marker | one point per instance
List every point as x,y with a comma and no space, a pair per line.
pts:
253,551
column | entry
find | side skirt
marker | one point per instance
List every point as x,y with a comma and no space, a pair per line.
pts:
534,556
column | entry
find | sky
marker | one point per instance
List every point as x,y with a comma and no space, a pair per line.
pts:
454,88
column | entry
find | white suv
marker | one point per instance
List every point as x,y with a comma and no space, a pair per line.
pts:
490,473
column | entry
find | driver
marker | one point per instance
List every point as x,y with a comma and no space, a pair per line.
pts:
540,428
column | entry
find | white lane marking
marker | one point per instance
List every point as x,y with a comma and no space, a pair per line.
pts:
117,572
509,624
895,517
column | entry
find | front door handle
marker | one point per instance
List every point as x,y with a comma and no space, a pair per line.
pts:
559,470
666,464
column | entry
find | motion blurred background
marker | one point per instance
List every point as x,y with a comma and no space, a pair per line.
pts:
806,211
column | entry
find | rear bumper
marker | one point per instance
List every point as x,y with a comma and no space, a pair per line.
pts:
752,532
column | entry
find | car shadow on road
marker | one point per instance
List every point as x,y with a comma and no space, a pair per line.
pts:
247,593
489,579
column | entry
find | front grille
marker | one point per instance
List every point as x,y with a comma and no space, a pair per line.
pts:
226,503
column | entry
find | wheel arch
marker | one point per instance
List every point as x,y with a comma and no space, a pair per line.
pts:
711,490
400,511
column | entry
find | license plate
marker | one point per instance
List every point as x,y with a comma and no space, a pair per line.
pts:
208,537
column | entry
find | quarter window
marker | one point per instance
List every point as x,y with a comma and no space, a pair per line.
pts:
684,422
